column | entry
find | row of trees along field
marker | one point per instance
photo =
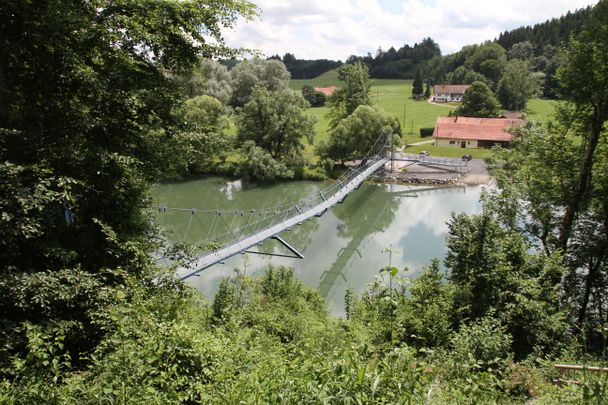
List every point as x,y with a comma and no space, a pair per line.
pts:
91,114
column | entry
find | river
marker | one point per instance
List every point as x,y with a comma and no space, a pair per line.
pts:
345,248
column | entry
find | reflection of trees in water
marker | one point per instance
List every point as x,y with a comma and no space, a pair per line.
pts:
370,210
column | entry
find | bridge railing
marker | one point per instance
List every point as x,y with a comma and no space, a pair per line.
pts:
239,224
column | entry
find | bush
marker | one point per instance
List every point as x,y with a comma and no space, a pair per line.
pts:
426,131
256,163
483,344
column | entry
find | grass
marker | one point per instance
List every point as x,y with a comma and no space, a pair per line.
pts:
329,78
541,109
394,96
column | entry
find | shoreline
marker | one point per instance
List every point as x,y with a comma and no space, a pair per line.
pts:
475,174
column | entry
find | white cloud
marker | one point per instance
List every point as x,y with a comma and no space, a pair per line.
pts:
338,28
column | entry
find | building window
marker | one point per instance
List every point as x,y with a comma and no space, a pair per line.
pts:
452,142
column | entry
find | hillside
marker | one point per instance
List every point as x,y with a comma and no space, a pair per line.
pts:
329,78
556,31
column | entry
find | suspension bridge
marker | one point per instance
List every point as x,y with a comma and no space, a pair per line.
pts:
232,232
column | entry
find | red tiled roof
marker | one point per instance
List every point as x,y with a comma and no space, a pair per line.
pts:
481,129
451,88
328,91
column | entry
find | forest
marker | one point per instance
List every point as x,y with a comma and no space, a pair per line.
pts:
101,99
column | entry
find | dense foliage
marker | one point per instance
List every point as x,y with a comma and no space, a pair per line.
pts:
86,122
100,98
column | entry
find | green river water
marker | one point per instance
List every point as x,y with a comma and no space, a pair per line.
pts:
343,249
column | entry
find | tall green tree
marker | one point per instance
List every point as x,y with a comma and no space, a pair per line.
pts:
276,121
208,78
357,133
353,92
583,77
85,125
256,72
417,85
478,101
427,90
488,59
517,86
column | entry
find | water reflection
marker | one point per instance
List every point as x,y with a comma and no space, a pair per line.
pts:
343,248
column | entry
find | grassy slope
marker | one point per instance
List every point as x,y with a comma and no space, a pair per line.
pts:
394,97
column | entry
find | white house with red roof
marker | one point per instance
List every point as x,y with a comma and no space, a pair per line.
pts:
448,93
468,132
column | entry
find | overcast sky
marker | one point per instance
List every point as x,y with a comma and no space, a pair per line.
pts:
335,29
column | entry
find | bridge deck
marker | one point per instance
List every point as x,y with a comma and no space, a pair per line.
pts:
210,259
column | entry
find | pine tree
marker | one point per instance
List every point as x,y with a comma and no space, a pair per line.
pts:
417,85
427,91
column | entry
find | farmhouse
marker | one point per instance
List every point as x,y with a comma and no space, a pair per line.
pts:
328,91
467,132
446,93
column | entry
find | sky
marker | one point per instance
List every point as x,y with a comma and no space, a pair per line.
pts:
336,29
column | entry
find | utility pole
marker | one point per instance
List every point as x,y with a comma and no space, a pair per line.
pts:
392,151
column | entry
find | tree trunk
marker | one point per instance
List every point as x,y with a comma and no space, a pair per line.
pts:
584,177
593,268
3,92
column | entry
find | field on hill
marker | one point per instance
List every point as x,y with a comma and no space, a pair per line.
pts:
394,96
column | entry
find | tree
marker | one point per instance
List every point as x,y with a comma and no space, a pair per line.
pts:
583,77
494,275
202,139
517,86
522,50
353,93
489,60
356,134
478,101
203,113
276,121
417,85
427,90
86,126
269,74
216,81
463,75
256,163
537,178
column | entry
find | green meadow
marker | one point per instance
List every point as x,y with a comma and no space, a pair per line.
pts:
394,96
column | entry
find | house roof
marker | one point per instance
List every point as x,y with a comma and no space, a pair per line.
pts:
480,129
328,91
451,88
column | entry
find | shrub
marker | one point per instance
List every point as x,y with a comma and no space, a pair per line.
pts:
483,344
427,131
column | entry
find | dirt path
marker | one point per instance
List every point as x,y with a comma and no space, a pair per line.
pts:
430,101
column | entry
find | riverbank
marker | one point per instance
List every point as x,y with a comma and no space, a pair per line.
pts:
475,173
